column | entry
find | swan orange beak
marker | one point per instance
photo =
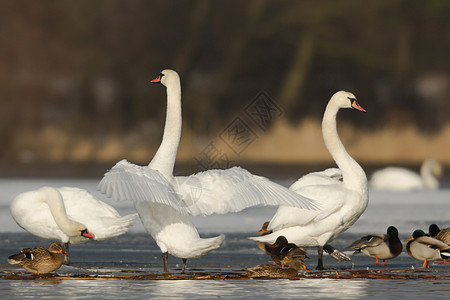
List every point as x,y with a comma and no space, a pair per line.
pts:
87,234
356,105
157,79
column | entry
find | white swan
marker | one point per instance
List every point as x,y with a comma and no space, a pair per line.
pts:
69,215
401,179
165,203
341,193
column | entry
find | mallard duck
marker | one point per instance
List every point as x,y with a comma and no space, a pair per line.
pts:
423,247
39,260
379,246
271,271
440,234
287,254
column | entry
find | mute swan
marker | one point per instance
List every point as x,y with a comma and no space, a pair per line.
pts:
380,246
165,202
423,247
69,215
341,194
401,179
39,260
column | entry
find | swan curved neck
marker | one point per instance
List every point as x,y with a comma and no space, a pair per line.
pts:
426,171
164,159
55,203
352,173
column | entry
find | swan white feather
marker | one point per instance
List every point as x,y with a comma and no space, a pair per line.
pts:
401,179
341,194
214,191
64,213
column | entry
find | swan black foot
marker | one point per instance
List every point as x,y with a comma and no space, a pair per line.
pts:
336,254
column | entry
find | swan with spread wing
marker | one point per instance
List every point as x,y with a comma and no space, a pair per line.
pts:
165,203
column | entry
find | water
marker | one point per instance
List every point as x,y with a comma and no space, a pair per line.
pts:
136,251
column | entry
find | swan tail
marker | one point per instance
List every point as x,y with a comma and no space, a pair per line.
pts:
116,227
264,239
205,246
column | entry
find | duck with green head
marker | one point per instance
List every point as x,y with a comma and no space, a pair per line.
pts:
426,248
380,246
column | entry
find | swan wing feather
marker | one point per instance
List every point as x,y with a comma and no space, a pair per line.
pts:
127,181
232,190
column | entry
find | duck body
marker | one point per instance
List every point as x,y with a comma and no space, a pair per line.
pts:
401,179
287,254
270,271
379,246
39,260
69,215
425,248
440,234
341,194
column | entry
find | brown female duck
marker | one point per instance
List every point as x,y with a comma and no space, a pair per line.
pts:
39,260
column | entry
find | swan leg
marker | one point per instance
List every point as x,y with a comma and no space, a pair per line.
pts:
66,251
320,258
164,257
184,265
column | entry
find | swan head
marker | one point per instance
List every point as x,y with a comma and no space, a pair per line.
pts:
345,99
166,77
80,235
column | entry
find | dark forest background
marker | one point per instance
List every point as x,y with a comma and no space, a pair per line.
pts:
80,71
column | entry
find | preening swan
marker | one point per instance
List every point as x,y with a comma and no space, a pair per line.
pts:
341,193
165,203
401,179
69,215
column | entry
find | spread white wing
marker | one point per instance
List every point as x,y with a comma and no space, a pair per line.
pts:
232,190
127,181
205,193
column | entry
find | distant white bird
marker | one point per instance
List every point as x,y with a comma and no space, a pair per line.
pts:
341,194
165,202
401,179
69,215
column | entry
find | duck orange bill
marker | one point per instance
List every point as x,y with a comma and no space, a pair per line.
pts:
410,239
157,79
357,106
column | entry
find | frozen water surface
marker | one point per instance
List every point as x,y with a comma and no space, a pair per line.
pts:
137,251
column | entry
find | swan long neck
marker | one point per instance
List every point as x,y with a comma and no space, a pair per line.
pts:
352,173
164,159
426,171
56,205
